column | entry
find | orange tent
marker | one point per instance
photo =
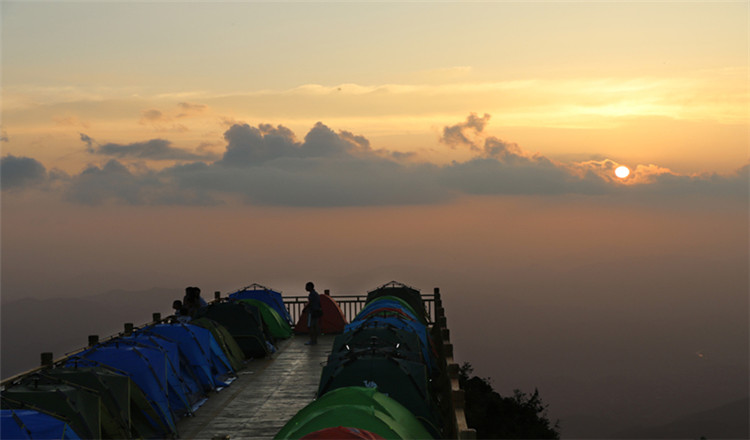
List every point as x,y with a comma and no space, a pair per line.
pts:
332,321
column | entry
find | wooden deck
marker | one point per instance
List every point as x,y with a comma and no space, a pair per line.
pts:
266,394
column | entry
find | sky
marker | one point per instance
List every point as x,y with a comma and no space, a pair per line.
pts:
464,145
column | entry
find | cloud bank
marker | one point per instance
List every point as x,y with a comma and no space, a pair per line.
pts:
154,149
21,172
268,165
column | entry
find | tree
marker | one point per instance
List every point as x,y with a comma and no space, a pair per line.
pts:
493,416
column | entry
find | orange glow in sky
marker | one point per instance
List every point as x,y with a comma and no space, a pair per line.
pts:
471,146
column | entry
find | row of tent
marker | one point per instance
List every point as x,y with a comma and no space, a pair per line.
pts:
378,380
140,383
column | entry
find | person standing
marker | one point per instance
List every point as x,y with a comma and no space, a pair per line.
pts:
192,300
314,313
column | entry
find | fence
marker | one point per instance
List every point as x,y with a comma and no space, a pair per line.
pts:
350,305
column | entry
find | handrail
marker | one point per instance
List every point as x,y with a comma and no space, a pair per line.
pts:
350,305
47,361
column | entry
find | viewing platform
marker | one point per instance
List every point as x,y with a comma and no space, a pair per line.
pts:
202,381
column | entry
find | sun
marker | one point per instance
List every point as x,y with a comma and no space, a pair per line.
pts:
622,171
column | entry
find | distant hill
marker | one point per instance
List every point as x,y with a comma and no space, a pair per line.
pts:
31,326
730,421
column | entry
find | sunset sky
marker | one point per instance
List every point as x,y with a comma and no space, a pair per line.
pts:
466,145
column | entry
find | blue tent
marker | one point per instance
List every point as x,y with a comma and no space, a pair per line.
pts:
28,424
413,326
185,391
147,366
210,363
268,296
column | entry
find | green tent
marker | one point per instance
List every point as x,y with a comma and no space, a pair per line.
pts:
402,380
277,326
355,407
79,406
114,397
126,412
225,340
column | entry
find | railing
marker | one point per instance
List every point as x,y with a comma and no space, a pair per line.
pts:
350,305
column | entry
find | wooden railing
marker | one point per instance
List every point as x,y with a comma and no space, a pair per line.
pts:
350,305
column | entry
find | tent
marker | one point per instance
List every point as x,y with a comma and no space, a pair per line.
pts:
355,407
428,350
113,396
78,406
405,381
406,293
123,400
30,424
389,303
277,327
390,340
148,367
268,296
397,312
332,321
226,341
343,433
244,323
208,361
185,391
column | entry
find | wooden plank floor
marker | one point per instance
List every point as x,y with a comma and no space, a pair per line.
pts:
266,394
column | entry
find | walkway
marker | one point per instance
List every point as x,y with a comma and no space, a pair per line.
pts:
267,393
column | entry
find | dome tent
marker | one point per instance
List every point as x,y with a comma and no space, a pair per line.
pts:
269,296
277,327
244,323
31,424
78,406
399,342
147,366
226,341
404,292
332,321
404,381
355,407
122,398
208,361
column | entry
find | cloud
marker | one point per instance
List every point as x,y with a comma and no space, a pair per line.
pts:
658,181
461,134
162,122
4,136
115,182
152,115
248,146
21,172
267,165
89,142
154,149
252,146
188,109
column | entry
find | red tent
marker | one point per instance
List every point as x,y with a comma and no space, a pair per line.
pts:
332,321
